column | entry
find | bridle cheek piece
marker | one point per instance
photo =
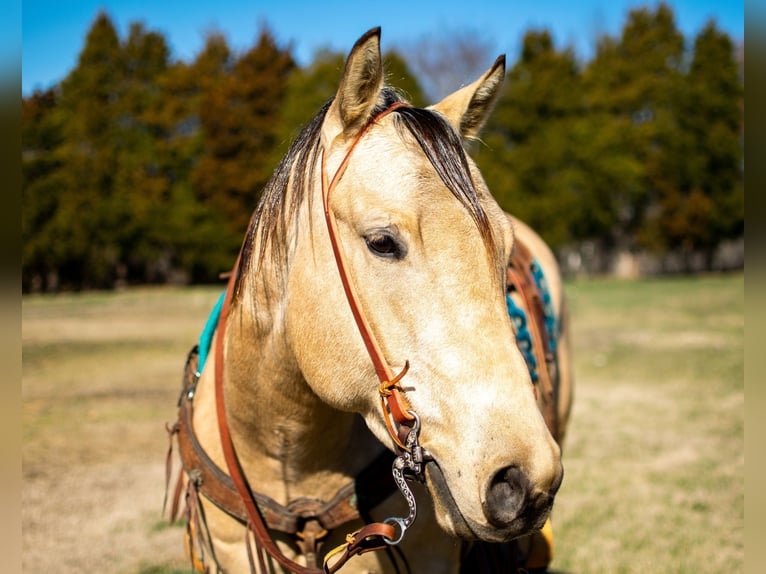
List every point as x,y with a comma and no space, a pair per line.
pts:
401,420
232,493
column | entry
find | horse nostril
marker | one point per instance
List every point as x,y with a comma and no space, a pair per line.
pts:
507,496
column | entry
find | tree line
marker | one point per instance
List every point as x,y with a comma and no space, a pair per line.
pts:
141,169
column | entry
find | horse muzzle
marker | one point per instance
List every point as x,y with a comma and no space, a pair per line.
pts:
510,505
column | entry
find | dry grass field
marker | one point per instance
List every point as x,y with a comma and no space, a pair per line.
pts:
654,457
655,465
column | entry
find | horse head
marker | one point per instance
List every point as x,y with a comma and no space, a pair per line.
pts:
426,247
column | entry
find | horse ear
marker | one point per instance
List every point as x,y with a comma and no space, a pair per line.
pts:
469,107
359,88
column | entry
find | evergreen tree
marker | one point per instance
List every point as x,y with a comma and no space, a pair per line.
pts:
307,90
139,181
113,174
531,160
705,204
634,83
717,97
192,235
239,119
41,168
69,166
89,217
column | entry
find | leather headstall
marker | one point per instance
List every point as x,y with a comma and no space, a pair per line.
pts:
231,492
309,520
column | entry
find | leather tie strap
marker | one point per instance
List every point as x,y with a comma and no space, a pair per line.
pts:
371,537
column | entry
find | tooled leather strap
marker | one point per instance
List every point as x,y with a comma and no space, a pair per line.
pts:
255,521
519,275
390,390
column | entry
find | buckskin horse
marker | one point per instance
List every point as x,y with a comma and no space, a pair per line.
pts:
388,338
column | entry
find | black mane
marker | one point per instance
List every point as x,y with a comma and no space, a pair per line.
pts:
278,205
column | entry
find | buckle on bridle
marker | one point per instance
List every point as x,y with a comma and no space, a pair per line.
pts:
386,387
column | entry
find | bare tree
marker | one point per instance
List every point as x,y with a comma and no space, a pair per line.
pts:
449,59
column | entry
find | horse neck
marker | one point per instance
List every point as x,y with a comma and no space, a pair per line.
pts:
294,443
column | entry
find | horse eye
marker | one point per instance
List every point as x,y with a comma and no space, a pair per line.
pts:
384,245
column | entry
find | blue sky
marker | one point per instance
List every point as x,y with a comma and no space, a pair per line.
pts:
53,31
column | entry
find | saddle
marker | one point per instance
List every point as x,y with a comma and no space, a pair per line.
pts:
309,520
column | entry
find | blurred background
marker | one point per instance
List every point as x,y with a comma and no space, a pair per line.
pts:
149,131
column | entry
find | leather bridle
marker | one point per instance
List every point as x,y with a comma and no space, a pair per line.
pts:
232,494
393,402
397,412
259,513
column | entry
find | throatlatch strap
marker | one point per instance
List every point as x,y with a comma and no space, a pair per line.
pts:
257,524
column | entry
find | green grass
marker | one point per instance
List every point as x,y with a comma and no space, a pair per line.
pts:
654,456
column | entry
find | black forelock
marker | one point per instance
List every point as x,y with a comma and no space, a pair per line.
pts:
278,206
